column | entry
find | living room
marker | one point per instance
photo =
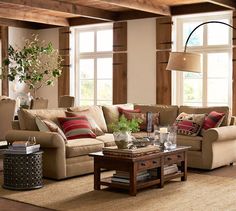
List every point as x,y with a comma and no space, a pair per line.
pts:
118,52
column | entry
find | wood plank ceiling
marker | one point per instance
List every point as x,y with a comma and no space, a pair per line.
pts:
50,13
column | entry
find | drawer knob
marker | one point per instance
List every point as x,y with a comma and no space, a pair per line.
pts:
169,158
143,164
179,156
154,162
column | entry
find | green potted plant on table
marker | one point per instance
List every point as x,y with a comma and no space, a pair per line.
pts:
122,131
37,64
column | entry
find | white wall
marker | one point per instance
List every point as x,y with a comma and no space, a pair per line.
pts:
142,61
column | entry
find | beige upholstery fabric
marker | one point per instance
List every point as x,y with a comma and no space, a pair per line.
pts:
111,113
107,139
27,117
7,110
39,103
194,142
93,111
79,165
207,110
168,113
83,146
66,101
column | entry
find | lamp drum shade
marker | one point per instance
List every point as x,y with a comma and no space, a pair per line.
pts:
182,61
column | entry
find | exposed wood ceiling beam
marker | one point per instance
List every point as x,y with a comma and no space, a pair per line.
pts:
146,5
196,8
84,21
33,17
231,4
64,8
134,14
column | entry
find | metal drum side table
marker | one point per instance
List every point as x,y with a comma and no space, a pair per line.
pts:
22,171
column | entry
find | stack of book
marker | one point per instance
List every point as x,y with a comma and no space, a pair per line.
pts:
168,169
124,177
21,147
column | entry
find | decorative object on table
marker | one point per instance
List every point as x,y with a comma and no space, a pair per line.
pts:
149,123
122,131
189,61
130,153
172,138
142,142
37,64
23,147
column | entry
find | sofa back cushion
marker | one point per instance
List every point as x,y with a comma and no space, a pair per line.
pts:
111,112
207,110
168,113
27,117
94,112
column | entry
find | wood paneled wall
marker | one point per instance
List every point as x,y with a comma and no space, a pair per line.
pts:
64,50
4,41
234,68
119,62
163,47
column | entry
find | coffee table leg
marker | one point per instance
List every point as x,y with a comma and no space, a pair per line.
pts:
97,175
184,167
161,169
133,182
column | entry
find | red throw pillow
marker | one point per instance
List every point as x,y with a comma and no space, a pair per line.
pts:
76,127
122,110
213,119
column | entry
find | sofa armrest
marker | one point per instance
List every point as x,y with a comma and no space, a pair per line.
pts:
233,120
220,134
45,139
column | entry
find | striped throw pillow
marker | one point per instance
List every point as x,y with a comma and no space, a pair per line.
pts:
76,127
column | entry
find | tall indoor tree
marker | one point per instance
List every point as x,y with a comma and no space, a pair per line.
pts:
37,64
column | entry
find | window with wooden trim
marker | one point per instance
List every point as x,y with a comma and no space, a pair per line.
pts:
93,65
212,87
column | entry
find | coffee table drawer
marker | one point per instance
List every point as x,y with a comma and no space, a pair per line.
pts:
149,164
171,159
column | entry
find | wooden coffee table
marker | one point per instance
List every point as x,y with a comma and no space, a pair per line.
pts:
138,164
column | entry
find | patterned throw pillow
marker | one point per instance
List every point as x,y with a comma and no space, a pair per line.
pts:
143,117
47,125
189,124
95,128
76,127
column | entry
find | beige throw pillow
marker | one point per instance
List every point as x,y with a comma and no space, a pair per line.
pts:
46,125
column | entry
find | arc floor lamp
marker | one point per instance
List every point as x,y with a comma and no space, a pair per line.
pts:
186,61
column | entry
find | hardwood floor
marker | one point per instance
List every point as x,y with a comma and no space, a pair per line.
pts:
10,205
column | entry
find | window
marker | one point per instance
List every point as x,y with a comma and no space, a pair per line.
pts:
93,65
213,86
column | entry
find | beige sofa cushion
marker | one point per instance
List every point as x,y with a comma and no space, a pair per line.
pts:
107,139
27,117
94,112
111,113
207,110
83,146
195,142
168,113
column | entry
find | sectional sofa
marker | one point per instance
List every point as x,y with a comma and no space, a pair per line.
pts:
217,146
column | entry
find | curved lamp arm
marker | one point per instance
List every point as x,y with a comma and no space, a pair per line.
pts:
204,23
187,61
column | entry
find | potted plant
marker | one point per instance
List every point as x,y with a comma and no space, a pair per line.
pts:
122,131
37,64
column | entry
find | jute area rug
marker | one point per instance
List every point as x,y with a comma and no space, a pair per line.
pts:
200,192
